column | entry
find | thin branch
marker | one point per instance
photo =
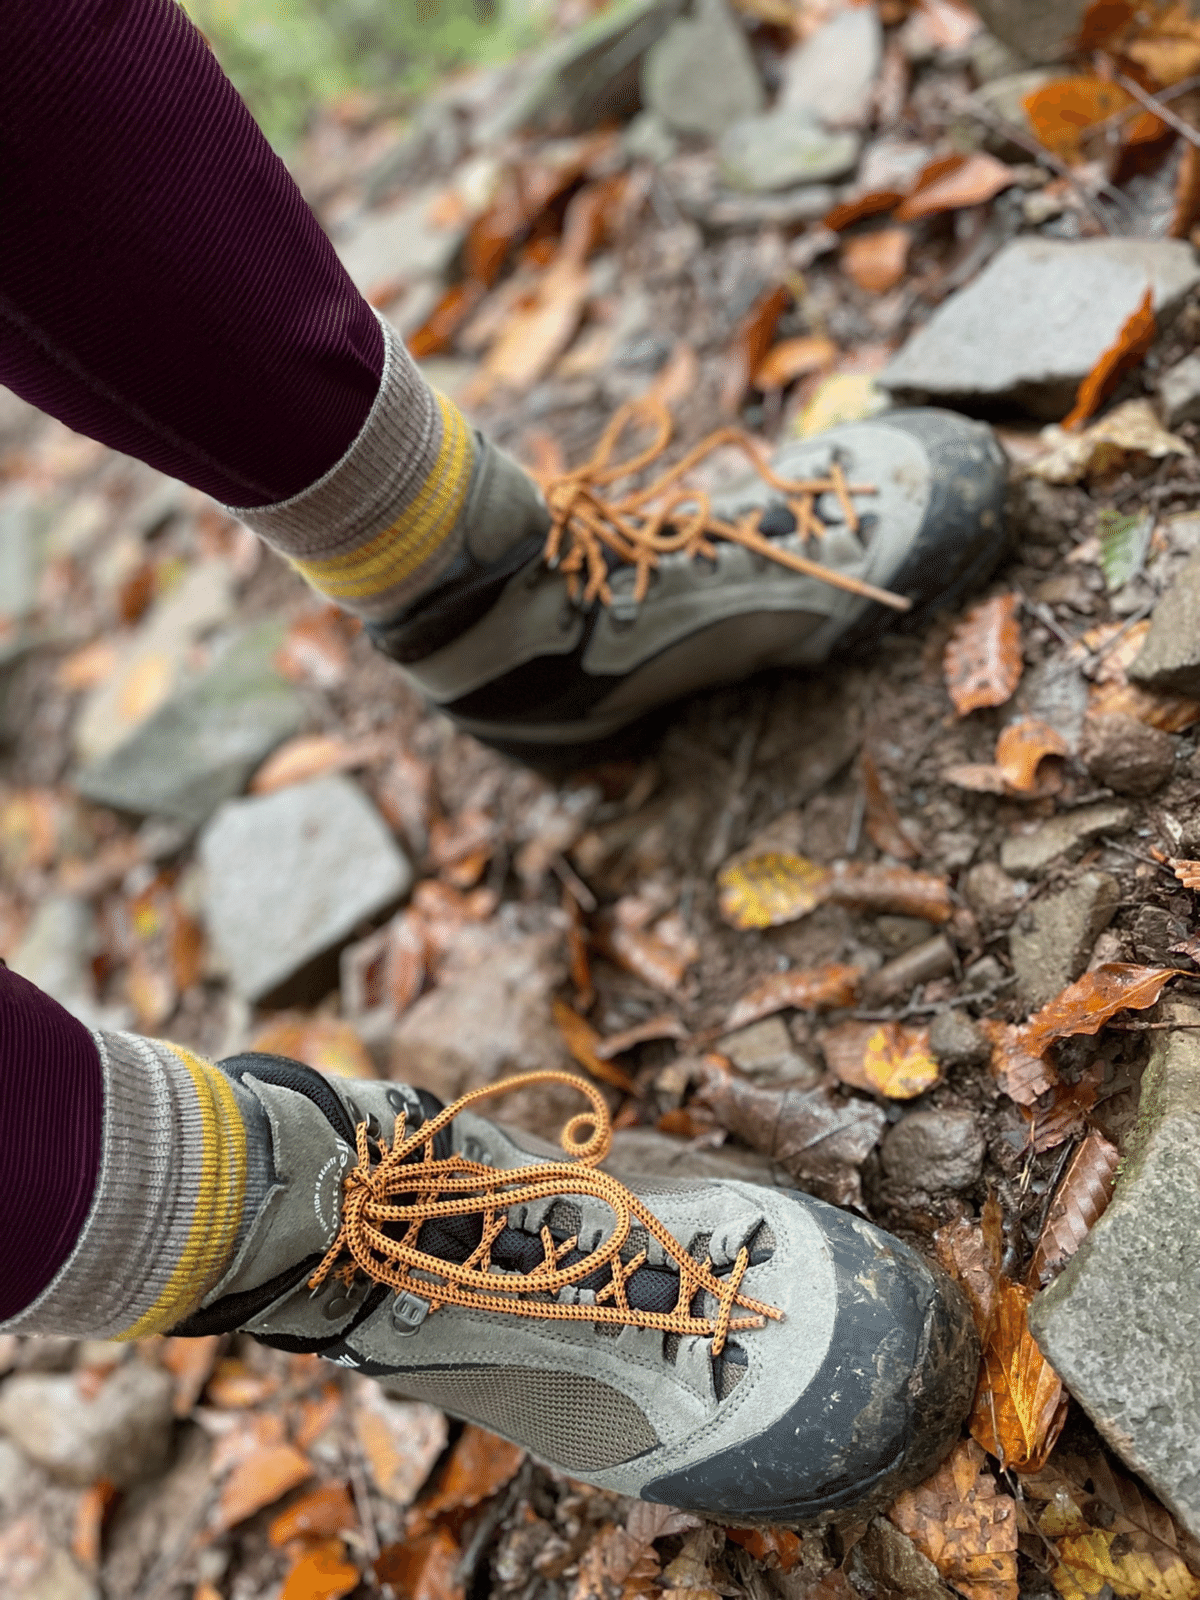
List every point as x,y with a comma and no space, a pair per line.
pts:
1154,104
1047,158
1118,118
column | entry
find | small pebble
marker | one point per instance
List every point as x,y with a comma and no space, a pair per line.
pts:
931,1150
992,895
956,1041
1127,755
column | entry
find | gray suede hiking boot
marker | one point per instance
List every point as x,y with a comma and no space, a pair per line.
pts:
523,653
746,1353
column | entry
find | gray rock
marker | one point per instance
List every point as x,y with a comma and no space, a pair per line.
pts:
765,1052
644,1152
1036,320
956,1042
725,209
895,1568
1063,837
1053,938
201,746
932,1150
781,149
1153,932
59,1579
1127,755
56,953
122,1433
1037,30
1056,692
647,138
900,976
1121,1325
288,877
992,895
1170,658
20,557
1179,390
898,934
399,245
700,77
831,75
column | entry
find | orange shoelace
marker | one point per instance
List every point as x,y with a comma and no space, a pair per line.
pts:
455,1187
666,516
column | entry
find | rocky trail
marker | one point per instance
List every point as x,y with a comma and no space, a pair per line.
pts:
917,932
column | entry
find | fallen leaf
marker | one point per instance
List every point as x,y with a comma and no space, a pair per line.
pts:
895,891
533,339
972,181
147,685
88,666
1078,1204
817,1135
1166,44
880,817
1022,747
1124,542
318,1415
767,890
1021,1405
751,340
1129,438
467,836
779,1548
190,1362
1115,1503
872,204
1128,349
309,755
972,1253
436,333
581,1039
322,1042
234,1386
1062,111
326,1573
1188,872
424,1568
1085,1006
676,380
811,989
967,1530
658,960
316,648
1021,1072
1187,193
877,261
29,829
1111,692
401,1440
664,1026
1100,1561
480,1465
615,1563
261,1479
792,359
320,1514
91,1512
842,397
884,1058
1063,1118
982,663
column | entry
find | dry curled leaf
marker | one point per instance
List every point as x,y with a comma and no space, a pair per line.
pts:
794,358
422,1568
752,339
971,181
581,1040
766,890
967,1530
1062,111
884,1058
659,955
1078,1204
898,891
259,1480
880,817
91,1512
1021,749
479,1467
811,989
1086,1005
876,261
616,1563
1020,1406
316,648
1127,350
983,662
777,1547
664,1026
321,1514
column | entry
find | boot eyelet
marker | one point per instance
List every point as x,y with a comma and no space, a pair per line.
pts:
339,1306
396,1100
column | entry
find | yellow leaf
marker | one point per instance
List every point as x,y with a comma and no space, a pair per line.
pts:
843,397
1021,1405
897,1062
1088,1563
766,890
148,684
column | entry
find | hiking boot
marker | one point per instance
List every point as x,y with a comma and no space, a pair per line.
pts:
531,653
749,1354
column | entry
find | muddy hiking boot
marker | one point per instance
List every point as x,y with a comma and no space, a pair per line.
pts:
746,1353
568,617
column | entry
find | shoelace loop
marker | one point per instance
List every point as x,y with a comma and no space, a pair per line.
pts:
397,1190
666,516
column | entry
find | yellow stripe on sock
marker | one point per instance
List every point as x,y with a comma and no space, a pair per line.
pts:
218,1202
395,554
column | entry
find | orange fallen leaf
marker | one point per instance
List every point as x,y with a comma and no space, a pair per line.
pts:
811,989
872,204
983,662
617,1563
1061,113
972,1253
320,1514
1021,1073
1129,348
791,359
751,340
881,819
190,1362
1079,1203
1021,1406
581,1040
479,1467
967,1530
322,1042
1063,1118
898,891
660,955
316,648
1085,1006
1021,749
778,1547
422,1568
90,1514
1112,693
261,1479
876,261
437,332
326,1573
308,755
1188,873
766,890
317,1415
975,180
884,1058
234,1386
1187,193
533,339
185,947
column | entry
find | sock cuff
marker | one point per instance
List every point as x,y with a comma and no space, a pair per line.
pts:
389,507
174,1186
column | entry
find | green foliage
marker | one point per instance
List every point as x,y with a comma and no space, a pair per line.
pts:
288,56
1124,541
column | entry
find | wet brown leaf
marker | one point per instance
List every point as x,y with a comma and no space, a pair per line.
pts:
316,648
533,338
752,339
1021,1405
423,1568
1021,749
872,204
1187,193
793,358
326,1573
320,1514
310,755
616,1563
659,955
1022,1075
319,1041
983,662
1063,1118
779,1548
971,1253
877,261
664,1026
581,1040
91,1512
1080,1201
436,333
770,889
1086,1005
400,1439
1062,111
898,891
812,989
971,181
1128,350
883,1058
882,821
1112,694
967,1530
258,1481
1113,1502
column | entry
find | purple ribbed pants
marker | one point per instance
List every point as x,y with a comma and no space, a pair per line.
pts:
165,289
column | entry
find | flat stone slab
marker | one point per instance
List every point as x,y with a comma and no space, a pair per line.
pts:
202,745
1121,1324
1063,837
700,77
1036,320
1170,658
782,149
288,878
831,76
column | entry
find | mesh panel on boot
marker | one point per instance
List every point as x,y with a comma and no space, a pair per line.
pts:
578,1423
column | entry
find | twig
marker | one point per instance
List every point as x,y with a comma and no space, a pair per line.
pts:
352,1454
735,802
487,1525
1139,615
165,1575
919,1008
1153,104
1039,152
1138,855
854,832
1046,617
573,883
1153,1027
1117,118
